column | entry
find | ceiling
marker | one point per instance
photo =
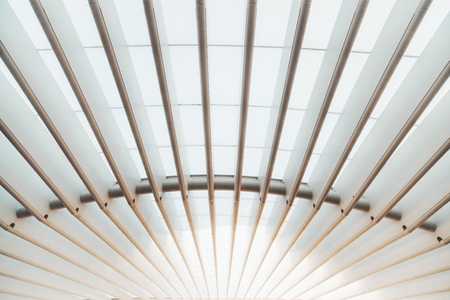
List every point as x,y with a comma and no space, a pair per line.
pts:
177,149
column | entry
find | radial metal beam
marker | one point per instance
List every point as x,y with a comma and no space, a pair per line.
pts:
393,63
339,69
439,82
43,219
441,243
118,78
165,95
203,58
65,65
290,75
414,226
10,229
424,224
245,93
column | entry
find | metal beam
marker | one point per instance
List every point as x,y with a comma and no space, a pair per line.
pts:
203,58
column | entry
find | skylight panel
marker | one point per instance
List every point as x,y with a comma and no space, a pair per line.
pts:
322,16
158,121
266,62
305,77
438,10
124,127
81,17
291,126
310,168
225,74
252,161
138,162
365,132
87,128
58,74
14,84
27,17
192,123
167,161
180,21
186,74
144,65
325,133
257,123
374,19
281,164
102,70
271,22
352,70
397,78
442,92
224,160
196,159
220,30
132,19
224,125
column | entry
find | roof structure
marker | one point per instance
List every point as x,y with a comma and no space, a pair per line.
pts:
175,149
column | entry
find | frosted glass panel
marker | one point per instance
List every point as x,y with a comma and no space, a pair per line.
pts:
281,163
27,17
180,22
159,125
55,68
224,159
186,74
441,94
132,19
221,30
353,68
225,74
438,10
376,15
266,62
397,78
144,65
196,159
305,77
291,127
322,16
310,168
100,64
257,122
252,161
325,133
224,125
362,136
81,17
192,123
138,162
271,22
13,82
124,127
167,161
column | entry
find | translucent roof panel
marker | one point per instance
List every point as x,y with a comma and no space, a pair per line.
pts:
266,62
